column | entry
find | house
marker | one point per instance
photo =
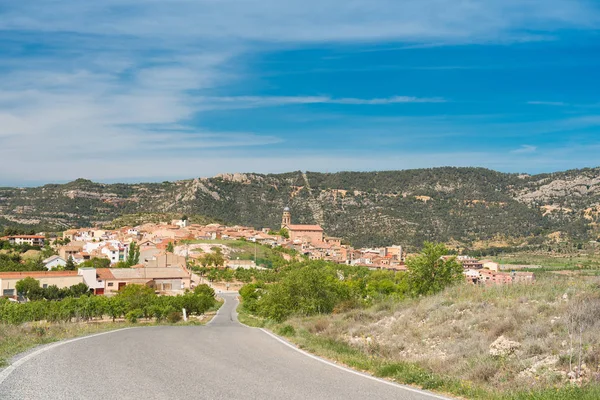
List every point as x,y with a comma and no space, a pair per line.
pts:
173,280
61,279
91,279
70,250
473,276
491,265
471,263
182,223
166,260
54,262
31,240
333,241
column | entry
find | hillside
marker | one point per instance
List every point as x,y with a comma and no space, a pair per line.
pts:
465,205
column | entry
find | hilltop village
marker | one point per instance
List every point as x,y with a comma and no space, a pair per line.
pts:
159,255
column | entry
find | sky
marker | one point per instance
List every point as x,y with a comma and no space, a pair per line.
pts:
149,90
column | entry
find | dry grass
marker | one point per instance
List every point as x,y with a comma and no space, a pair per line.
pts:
17,339
450,334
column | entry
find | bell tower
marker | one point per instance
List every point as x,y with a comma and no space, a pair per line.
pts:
286,220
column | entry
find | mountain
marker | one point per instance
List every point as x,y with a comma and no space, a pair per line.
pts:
464,205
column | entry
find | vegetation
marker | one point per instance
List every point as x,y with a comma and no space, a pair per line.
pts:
465,205
133,300
429,273
427,329
15,339
133,257
317,287
30,289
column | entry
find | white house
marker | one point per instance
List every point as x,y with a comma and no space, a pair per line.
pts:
182,223
54,262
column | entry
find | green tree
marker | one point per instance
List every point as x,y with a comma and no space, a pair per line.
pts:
96,263
29,288
170,247
70,265
205,290
133,257
430,273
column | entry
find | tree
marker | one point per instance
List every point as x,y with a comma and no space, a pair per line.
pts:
205,290
133,257
70,265
170,247
430,273
96,263
29,288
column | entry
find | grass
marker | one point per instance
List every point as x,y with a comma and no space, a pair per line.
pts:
441,342
17,339
250,320
551,261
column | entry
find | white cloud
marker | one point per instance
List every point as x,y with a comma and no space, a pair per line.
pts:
525,149
304,20
120,84
548,103
268,101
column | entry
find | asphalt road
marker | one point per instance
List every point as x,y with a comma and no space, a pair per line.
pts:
222,360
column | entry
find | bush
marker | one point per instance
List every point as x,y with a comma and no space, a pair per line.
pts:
133,302
287,330
133,315
174,317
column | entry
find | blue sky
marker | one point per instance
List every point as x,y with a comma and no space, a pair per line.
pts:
148,90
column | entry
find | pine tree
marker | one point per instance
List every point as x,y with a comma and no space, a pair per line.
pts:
70,265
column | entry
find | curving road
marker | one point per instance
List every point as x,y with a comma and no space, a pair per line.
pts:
222,360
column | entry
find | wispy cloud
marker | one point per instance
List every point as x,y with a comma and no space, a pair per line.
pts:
269,101
548,103
125,83
525,149
307,20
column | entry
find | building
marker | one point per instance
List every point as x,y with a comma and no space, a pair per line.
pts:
301,233
31,240
61,279
173,280
54,262
491,265
70,250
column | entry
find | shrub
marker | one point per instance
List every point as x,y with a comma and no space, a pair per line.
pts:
133,315
174,317
287,330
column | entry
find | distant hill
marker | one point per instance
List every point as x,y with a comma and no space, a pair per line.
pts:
464,205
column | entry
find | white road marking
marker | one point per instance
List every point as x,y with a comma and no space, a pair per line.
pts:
291,346
8,370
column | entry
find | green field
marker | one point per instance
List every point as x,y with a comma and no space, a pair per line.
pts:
551,262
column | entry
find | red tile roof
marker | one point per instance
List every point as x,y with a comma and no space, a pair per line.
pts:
304,228
104,274
36,274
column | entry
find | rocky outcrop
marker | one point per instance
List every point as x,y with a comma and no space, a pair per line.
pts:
502,347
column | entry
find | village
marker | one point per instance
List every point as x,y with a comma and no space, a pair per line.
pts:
163,253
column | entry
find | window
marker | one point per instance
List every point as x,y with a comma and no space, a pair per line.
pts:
110,284
8,292
45,286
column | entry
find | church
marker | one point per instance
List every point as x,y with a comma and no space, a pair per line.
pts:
304,233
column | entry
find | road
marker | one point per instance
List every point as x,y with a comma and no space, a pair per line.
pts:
222,360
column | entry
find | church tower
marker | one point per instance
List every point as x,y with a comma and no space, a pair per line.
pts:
286,220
